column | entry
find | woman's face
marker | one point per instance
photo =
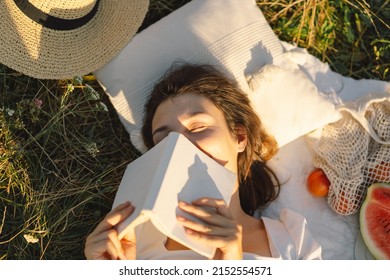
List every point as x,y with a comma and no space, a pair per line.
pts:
198,119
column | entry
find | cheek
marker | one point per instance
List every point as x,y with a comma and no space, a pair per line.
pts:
222,152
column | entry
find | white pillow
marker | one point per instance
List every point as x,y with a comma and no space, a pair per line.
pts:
232,35
289,103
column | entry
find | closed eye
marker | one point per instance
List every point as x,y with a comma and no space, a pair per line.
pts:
197,128
159,134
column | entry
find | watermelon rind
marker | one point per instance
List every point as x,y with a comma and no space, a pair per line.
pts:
377,239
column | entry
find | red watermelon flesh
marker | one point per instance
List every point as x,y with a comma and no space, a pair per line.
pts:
375,220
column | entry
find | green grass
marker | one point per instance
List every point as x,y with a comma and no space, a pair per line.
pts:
63,149
63,154
352,36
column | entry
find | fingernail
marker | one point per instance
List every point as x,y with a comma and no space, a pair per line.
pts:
183,203
180,218
128,205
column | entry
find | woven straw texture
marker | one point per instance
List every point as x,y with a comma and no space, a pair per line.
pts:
45,53
351,158
64,9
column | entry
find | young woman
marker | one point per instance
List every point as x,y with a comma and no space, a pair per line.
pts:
211,111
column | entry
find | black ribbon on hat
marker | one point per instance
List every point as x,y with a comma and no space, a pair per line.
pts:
53,22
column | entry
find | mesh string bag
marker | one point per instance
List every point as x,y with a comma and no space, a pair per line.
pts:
354,153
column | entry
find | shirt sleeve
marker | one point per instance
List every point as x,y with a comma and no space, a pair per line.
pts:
290,237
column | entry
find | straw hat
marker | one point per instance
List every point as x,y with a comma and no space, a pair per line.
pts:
57,39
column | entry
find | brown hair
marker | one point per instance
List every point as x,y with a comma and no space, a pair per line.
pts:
258,184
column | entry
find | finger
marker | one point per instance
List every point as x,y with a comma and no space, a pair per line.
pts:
114,217
215,241
129,237
129,248
206,214
212,230
102,250
218,204
112,250
113,237
106,235
110,236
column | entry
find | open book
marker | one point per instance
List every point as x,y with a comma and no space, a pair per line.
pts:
173,170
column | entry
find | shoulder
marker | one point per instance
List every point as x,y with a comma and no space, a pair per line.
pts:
290,238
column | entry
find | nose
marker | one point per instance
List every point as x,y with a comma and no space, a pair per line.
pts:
191,138
198,144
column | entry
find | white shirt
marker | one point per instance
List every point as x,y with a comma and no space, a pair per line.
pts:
289,239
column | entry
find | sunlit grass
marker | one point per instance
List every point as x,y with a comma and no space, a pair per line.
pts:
352,36
63,150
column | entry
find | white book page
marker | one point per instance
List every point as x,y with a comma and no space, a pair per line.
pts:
138,183
173,170
191,174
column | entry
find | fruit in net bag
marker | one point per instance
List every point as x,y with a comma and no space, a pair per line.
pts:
375,220
380,173
317,183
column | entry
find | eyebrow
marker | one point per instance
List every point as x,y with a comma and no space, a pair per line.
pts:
160,129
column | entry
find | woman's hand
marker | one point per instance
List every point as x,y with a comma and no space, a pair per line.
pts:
103,242
219,230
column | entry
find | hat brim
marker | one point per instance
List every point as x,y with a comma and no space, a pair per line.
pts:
44,53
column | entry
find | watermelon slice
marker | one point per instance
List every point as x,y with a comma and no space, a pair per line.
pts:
375,220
